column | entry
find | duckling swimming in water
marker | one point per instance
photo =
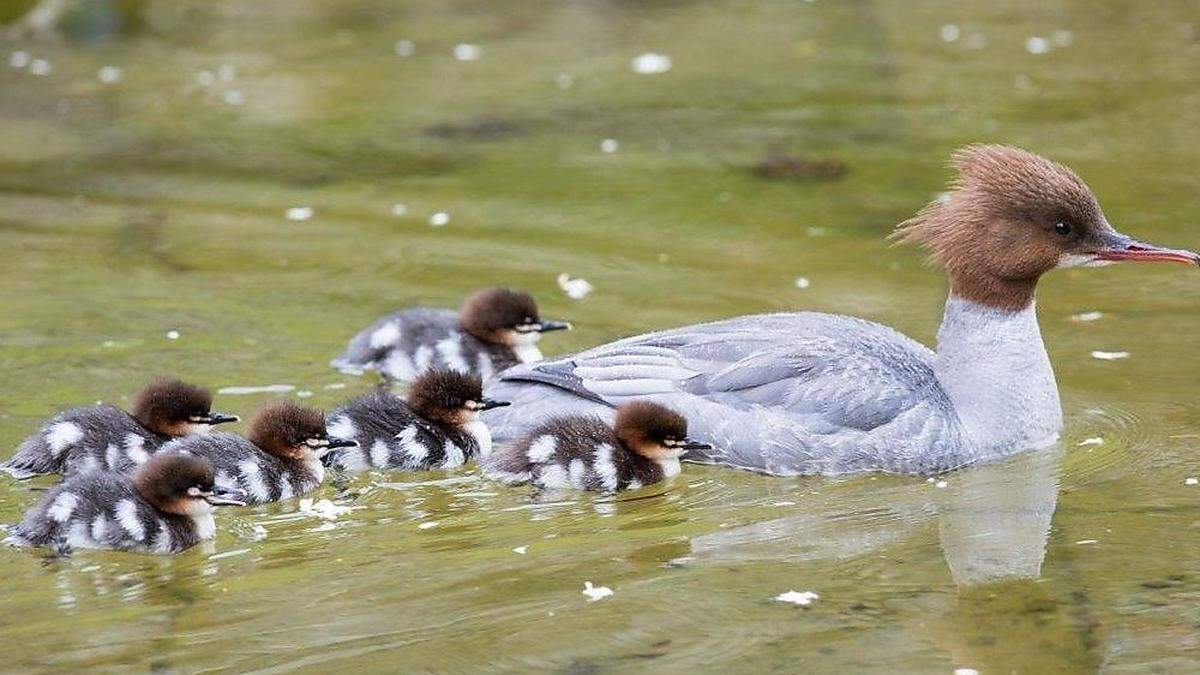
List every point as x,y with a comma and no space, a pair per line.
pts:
106,437
495,328
581,451
165,507
438,426
279,458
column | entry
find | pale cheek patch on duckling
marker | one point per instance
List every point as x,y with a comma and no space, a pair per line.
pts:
127,517
61,436
62,507
482,435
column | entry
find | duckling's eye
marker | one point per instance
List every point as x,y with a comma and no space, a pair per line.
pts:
1062,228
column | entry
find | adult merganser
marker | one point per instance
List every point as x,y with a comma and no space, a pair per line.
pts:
165,507
643,446
107,438
811,393
495,328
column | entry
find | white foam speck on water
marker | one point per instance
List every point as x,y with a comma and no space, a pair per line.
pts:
206,78
950,33
18,59
574,288
262,389
467,52
427,525
39,67
803,282
172,335
229,554
1095,440
609,145
399,209
784,503
336,385
800,598
304,393
439,219
404,48
1109,356
1037,45
110,74
521,550
563,81
651,64
298,213
965,671
941,485
322,508
595,593
233,97
1191,480
1085,317
1086,542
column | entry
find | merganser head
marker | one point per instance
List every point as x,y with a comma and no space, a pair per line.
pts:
654,431
182,484
1011,216
175,408
293,431
449,397
505,317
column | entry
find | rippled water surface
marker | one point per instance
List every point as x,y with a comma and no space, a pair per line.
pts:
155,202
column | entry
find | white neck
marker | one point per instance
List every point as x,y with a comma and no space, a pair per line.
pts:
670,466
525,347
482,435
993,365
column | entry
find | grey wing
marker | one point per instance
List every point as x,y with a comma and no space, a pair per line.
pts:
786,393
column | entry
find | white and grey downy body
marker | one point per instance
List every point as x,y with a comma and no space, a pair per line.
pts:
405,344
812,393
391,436
99,437
241,465
576,451
102,509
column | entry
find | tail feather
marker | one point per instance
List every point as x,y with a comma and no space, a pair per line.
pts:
32,458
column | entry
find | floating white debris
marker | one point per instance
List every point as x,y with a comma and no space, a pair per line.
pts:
941,485
520,550
18,59
399,209
950,33
109,343
563,81
1191,481
336,385
976,41
651,64
229,554
1085,542
1092,441
264,389
803,282
574,288
784,503
467,52
1062,38
595,593
1109,356
439,219
965,671
801,598
322,508
1037,45
298,213
609,145
233,97
816,231
206,78
39,67
304,393
172,335
226,72
1087,316
110,74
404,48
427,525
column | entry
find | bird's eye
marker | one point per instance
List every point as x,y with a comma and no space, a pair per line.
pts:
1062,228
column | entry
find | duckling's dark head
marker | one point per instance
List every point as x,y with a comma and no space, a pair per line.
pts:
182,484
293,431
449,397
653,430
504,316
176,408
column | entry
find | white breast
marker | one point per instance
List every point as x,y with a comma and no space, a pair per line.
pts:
482,435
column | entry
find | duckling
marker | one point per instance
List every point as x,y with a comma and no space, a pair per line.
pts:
495,328
280,456
106,437
165,507
438,426
579,451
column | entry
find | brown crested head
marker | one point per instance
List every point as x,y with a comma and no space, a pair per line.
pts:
175,482
652,430
289,430
503,316
1011,216
175,408
448,397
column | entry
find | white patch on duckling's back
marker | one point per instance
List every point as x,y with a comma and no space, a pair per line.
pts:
62,435
411,447
127,516
136,450
61,508
482,435
454,455
380,453
255,485
605,468
386,335
342,427
451,354
542,449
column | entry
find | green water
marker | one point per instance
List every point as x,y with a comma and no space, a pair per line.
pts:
154,204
